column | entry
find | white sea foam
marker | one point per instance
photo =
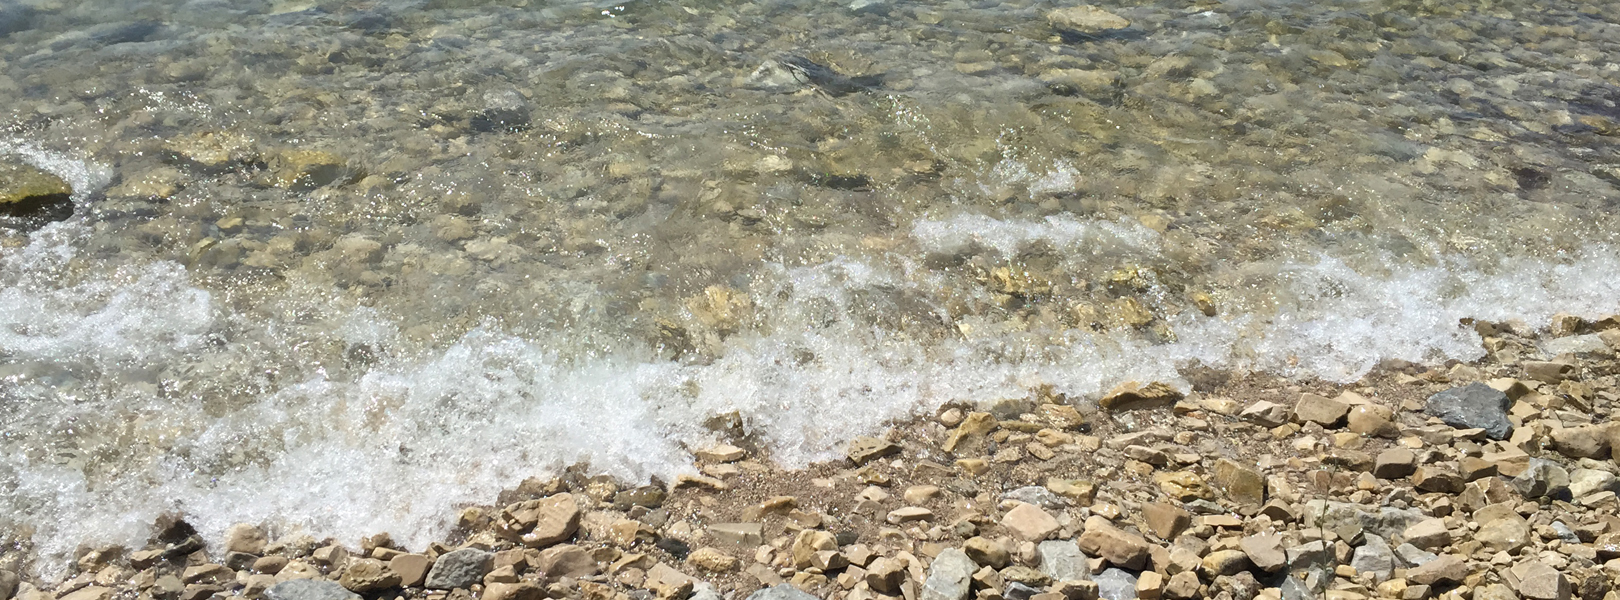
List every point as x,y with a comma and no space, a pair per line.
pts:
418,434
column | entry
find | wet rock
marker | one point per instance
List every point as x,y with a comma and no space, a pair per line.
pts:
1132,395
305,170
1085,18
31,197
1473,406
207,573
949,577
460,569
866,449
309,589
543,522
1117,546
211,149
1115,584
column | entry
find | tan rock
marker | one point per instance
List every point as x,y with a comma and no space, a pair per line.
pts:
1548,371
987,552
1225,562
1372,420
1061,416
1184,486
908,514
1240,483
1537,581
1265,551
513,591
885,575
1394,463
1324,411
1075,490
411,568
208,573
1182,586
1433,478
721,453
668,583
1165,520
1133,395
1149,586
1029,523
1505,534
243,537
1583,441
1089,19
368,575
1117,546
94,592
712,560
974,427
1448,568
746,535
1266,414
919,494
566,560
1428,534
866,449
809,542
543,522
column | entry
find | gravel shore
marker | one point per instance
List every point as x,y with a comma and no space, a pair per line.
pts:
1486,481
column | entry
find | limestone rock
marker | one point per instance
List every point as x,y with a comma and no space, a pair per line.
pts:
781,592
1537,581
808,543
460,569
368,575
1115,584
1086,18
1506,534
1447,568
1433,478
1117,546
1584,441
1185,486
543,522
721,453
886,575
1061,560
1583,482
987,552
1132,395
1240,483
1473,406
973,428
243,537
309,589
1165,520
1374,557
1225,562
1324,411
1428,533
668,583
411,568
1265,551
1372,420
1549,372
522,590
1266,414
712,560
950,577
866,449
1028,522
33,194
1394,463
747,535
93,592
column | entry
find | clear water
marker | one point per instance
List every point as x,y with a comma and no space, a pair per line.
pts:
543,233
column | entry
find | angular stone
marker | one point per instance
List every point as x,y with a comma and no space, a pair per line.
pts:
1432,478
1372,420
8,584
781,592
1061,560
1029,523
1584,482
1506,534
1185,486
566,560
1132,395
908,514
1165,520
1025,575
1549,372
1117,546
1225,562
1242,484
1428,533
93,592
246,538
1265,551
1394,463
974,427
309,589
1374,557
1473,406
987,552
1149,586
1444,569
746,535
721,453
886,575
1266,414
808,543
1324,411
1115,584
460,569
543,522
712,560
950,577
412,568
1583,441
1542,478
668,583
1537,581
866,449
522,590
1182,586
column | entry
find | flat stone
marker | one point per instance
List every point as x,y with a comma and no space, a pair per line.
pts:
712,560
1447,568
95,592
1025,575
412,568
1266,414
1038,496
1324,411
1165,520
808,543
309,589
950,577
1394,463
668,583
1265,551
885,575
1537,581
721,453
1185,486
974,427
1117,546
21,182
1548,371
908,514
1240,483
1584,482
1225,562
866,449
460,569
1133,395
543,522
1433,478
1029,523
1089,19
1582,441
246,538
747,535
1428,533
1473,406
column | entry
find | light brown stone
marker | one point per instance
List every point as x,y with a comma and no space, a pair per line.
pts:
1165,520
987,552
1265,551
1117,546
1324,411
808,543
243,537
368,575
1029,523
866,449
1372,420
1240,483
1448,568
1537,581
513,591
1133,395
566,560
712,560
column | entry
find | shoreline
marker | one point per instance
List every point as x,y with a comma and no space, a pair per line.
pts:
1249,486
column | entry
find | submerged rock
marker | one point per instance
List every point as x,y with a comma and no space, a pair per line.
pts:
1085,18
31,197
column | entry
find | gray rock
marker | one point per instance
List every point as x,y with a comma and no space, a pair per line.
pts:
1475,405
1337,516
1294,589
460,569
1565,533
950,577
1062,560
8,584
1374,556
1115,584
1037,495
706,591
1303,555
309,589
1018,591
784,591
1414,556
1543,478
1590,481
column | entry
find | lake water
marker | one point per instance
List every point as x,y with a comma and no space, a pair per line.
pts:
341,267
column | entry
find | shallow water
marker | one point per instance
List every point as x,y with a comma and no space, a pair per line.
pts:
339,267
